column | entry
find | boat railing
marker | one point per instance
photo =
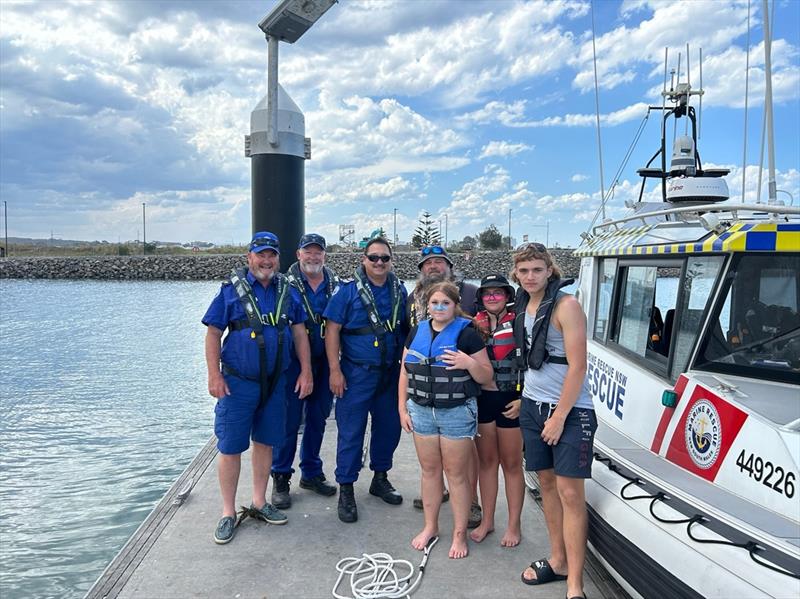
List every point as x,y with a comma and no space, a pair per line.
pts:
775,211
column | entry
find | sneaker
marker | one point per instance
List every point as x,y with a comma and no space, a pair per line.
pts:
318,484
348,511
475,515
280,490
381,487
418,500
269,514
226,528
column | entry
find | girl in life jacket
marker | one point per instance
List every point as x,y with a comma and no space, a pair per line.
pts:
499,440
443,368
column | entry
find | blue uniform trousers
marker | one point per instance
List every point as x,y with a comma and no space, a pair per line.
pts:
369,391
315,408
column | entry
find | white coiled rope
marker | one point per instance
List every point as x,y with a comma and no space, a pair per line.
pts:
376,575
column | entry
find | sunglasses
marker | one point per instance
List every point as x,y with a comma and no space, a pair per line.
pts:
433,249
264,241
494,295
374,258
531,245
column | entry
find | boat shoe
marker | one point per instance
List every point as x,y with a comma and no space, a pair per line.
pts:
225,530
475,515
269,514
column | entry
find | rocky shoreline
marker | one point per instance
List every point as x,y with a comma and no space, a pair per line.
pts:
217,266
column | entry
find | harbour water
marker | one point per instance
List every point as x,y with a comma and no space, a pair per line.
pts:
103,404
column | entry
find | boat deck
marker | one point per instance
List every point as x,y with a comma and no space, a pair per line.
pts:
173,554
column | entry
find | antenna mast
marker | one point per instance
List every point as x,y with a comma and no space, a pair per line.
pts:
773,191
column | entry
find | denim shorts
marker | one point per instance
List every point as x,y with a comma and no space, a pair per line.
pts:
459,422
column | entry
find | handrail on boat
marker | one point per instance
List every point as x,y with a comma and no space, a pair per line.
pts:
734,209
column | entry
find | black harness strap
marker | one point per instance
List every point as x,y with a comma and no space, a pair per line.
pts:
257,321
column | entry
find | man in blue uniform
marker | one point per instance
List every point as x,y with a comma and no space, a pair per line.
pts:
366,322
315,283
247,375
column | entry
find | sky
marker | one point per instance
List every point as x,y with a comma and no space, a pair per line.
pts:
479,111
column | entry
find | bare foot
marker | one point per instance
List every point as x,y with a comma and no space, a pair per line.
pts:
421,540
478,534
459,547
511,538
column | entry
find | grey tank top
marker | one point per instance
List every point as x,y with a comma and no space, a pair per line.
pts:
545,384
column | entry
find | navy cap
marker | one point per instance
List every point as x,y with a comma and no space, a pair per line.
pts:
433,251
311,239
264,240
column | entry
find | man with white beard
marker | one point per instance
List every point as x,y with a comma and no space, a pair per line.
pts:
316,283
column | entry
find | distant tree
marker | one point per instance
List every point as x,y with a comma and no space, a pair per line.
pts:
426,233
490,238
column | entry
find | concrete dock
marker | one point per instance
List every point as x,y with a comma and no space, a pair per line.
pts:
173,553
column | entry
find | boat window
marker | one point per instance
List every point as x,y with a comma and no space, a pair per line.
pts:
756,326
605,290
697,288
646,311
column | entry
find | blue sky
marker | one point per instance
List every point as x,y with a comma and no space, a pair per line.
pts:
468,109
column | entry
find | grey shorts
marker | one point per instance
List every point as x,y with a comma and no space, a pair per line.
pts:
572,455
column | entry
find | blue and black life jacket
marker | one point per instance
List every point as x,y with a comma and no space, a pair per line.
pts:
295,279
429,381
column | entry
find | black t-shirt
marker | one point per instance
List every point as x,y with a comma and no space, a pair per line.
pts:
469,339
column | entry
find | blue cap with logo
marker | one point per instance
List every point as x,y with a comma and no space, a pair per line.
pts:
311,239
264,240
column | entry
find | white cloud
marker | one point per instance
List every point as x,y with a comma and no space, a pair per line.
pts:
513,115
502,149
578,177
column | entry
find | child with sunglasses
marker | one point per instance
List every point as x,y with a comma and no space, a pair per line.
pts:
499,440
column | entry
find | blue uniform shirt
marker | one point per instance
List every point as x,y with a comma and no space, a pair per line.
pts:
346,308
318,301
239,349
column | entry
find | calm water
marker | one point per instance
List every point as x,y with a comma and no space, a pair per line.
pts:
103,401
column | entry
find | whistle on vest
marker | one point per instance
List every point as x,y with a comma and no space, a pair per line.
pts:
376,342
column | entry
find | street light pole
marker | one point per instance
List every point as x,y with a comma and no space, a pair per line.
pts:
509,229
144,230
5,220
445,230
394,237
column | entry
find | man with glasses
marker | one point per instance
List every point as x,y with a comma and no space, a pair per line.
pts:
315,283
247,373
435,266
366,326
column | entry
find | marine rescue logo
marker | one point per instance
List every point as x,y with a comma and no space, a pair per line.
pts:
703,434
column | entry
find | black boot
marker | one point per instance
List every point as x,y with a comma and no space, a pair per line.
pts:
348,512
381,487
319,485
280,490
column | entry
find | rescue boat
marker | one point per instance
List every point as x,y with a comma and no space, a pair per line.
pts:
693,322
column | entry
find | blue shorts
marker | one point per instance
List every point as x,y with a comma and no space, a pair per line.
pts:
237,418
572,455
460,422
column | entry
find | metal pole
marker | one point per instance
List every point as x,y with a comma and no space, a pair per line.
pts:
272,91
772,189
445,230
509,229
144,230
5,220
597,117
394,237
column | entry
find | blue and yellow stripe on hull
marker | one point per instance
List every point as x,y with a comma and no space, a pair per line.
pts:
740,237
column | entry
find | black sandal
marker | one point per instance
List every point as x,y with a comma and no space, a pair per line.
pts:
544,573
